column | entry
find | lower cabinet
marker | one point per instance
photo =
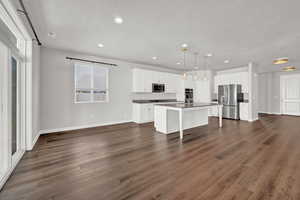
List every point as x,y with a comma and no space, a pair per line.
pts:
214,112
244,111
143,113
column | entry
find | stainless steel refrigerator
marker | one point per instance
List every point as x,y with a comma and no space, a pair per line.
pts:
229,96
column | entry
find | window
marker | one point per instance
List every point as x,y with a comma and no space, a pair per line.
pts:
91,83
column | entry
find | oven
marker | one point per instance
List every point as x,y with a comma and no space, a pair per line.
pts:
189,95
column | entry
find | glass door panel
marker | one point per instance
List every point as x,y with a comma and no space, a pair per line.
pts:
14,102
5,111
15,107
3,149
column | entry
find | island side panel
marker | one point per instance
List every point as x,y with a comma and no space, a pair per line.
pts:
191,119
194,118
160,119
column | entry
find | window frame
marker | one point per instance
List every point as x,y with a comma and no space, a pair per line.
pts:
92,89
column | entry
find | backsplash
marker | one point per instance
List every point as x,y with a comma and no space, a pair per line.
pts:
146,96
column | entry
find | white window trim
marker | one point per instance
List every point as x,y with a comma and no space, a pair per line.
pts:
92,83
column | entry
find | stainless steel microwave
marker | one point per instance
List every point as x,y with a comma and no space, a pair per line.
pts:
158,88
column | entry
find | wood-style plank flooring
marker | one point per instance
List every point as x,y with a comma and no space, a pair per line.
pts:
242,160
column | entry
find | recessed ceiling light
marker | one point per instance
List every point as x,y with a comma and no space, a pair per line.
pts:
118,20
196,67
281,60
52,34
209,55
154,58
100,45
178,63
289,68
184,45
226,61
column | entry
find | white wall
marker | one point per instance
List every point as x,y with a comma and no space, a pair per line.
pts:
57,108
204,88
269,91
253,91
35,91
265,97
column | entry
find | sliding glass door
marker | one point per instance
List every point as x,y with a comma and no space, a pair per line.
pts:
12,134
15,92
3,126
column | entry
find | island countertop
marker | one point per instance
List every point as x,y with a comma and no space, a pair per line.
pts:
188,105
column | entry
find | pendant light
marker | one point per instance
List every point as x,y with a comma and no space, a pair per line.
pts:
206,66
184,50
195,73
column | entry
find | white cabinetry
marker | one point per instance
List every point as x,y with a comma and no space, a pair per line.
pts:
244,81
143,113
143,79
171,83
232,78
158,77
201,88
202,91
244,111
189,82
180,88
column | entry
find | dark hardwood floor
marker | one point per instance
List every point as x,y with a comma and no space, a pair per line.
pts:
255,161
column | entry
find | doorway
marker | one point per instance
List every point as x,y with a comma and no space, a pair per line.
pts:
290,94
12,137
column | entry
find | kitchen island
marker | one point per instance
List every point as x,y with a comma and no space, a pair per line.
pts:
170,118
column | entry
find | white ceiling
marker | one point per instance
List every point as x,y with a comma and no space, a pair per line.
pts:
238,30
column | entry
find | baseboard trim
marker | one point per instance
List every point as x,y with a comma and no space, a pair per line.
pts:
47,131
270,113
264,112
7,175
253,120
34,142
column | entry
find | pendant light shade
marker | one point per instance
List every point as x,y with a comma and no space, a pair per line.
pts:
184,50
206,66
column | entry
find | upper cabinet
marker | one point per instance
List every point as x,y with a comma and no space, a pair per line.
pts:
139,84
241,78
143,80
189,82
